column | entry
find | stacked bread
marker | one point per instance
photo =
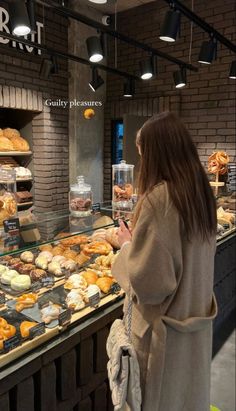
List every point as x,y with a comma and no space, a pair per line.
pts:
11,140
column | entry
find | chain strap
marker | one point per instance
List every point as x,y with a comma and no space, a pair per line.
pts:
128,314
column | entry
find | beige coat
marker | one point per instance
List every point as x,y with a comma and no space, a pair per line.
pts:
172,287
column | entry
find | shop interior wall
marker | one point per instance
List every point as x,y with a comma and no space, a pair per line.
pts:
207,104
20,69
86,136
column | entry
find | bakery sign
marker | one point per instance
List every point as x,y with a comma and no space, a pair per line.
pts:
34,37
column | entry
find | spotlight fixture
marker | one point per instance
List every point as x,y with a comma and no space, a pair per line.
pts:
208,52
148,68
171,26
129,87
98,1
180,77
31,14
94,48
232,73
19,18
48,67
97,81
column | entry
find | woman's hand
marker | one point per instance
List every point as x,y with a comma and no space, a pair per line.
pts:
123,233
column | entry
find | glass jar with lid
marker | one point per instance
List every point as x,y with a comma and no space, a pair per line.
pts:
122,185
80,198
8,204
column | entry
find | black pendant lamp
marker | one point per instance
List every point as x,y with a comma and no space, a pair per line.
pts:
171,26
19,18
232,73
148,68
48,66
94,47
208,52
31,14
129,87
180,77
97,81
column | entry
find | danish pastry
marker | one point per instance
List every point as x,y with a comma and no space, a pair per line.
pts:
81,259
74,240
58,250
74,300
76,281
25,301
70,254
90,276
25,328
97,247
8,331
104,283
50,313
3,322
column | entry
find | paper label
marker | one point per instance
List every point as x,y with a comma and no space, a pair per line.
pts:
64,318
94,300
12,225
37,330
11,343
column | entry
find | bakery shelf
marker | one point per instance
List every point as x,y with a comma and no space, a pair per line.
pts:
25,204
21,180
15,153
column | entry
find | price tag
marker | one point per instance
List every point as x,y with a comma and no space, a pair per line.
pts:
42,302
2,298
37,330
12,225
11,343
94,300
96,207
47,282
64,318
11,241
115,288
36,286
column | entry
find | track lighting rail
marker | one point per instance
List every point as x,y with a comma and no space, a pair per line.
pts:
67,56
64,11
203,24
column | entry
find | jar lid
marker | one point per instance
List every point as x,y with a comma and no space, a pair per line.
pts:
123,166
81,186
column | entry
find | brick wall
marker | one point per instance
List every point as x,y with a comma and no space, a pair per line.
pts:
20,69
207,104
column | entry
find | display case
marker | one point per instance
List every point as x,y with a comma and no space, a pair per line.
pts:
55,272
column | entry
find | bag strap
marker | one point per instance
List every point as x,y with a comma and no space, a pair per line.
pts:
128,315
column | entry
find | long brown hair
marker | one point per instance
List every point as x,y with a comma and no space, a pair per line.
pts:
169,154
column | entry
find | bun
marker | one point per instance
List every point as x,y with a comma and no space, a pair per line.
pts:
10,133
27,257
104,283
5,144
19,144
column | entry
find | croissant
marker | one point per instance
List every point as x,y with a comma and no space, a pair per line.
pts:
90,276
104,283
5,144
46,254
55,268
58,250
19,144
41,262
25,328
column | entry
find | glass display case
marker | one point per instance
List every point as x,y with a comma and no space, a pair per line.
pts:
55,271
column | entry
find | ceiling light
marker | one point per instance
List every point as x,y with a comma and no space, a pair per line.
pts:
180,77
98,1
19,18
148,68
129,87
97,81
94,48
170,26
232,73
207,52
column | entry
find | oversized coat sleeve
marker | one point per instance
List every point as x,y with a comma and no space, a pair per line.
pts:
147,261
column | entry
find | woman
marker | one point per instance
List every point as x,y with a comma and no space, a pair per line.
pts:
169,261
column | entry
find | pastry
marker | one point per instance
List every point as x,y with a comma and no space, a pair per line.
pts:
41,262
97,247
76,281
123,192
27,257
90,276
3,269
82,258
3,322
91,291
21,282
55,269
23,197
99,234
45,247
22,173
74,240
59,259
25,328
1,133
10,205
50,313
17,265
74,300
37,274
105,261
104,283
222,157
103,221
46,254
58,250
112,237
69,265
80,204
70,254
14,260
8,331
8,276
19,144
6,144
25,301
10,133
26,268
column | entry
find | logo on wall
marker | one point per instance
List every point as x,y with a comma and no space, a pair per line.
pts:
89,113
34,37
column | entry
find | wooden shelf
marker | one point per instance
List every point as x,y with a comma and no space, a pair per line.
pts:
15,153
21,180
25,204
